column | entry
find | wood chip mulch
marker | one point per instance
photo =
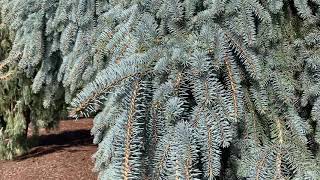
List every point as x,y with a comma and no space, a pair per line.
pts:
63,154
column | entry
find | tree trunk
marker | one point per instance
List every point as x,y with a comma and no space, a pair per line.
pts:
27,117
3,123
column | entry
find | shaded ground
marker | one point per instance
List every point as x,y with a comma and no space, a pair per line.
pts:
64,154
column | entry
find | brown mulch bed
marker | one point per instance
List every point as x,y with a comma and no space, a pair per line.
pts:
63,154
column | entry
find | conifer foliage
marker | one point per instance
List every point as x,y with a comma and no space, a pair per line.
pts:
184,89
19,106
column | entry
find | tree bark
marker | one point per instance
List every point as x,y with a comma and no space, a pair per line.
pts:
3,123
27,117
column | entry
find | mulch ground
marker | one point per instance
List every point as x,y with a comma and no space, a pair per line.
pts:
63,154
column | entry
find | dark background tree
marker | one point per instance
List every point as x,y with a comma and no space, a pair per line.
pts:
19,106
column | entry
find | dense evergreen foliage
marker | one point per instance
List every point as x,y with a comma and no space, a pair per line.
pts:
19,106
185,89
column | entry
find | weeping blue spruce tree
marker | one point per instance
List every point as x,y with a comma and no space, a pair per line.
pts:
183,89
20,107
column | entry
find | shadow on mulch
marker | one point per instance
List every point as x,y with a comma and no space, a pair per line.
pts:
46,144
